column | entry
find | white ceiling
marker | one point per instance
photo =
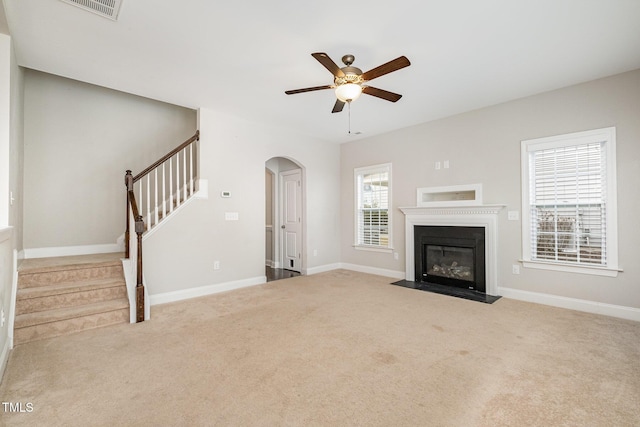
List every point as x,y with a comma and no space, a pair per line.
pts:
241,56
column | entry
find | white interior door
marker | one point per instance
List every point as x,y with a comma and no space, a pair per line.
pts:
292,219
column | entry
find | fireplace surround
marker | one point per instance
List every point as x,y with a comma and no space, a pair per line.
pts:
480,216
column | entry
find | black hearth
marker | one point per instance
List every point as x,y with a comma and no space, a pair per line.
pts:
450,256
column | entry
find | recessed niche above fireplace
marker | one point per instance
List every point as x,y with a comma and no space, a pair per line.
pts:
454,195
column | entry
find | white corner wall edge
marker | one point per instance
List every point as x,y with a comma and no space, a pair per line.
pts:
5,236
128,267
201,291
623,312
73,250
4,357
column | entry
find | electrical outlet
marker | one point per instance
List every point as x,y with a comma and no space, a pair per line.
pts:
513,215
515,269
231,216
437,165
216,265
446,164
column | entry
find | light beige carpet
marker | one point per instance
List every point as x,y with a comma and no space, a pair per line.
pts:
339,348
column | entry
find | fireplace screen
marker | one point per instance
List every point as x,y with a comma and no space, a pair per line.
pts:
450,262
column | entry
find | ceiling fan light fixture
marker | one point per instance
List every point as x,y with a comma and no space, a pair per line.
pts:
348,92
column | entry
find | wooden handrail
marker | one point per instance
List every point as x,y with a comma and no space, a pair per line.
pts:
167,156
132,208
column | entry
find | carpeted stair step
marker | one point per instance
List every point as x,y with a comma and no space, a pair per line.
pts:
63,295
58,296
62,321
52,275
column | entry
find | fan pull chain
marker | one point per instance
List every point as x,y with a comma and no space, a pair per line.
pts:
349,102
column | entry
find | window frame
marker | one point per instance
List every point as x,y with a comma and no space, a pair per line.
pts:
606,136
357,172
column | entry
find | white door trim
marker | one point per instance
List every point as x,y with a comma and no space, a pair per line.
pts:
299,230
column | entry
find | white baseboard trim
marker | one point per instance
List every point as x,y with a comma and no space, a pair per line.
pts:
201,291
374,270
72,250
623,312
323,268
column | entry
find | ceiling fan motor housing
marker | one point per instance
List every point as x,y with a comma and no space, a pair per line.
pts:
351,75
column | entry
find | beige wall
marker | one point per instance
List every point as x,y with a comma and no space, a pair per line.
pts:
79,141
233,152
483,146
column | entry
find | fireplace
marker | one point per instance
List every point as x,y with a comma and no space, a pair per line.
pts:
480,218
451,256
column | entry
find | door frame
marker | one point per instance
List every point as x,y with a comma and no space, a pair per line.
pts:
277,201
282,200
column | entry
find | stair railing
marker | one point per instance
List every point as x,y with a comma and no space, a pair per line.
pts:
160,188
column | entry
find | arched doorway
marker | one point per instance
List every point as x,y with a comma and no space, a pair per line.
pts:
285,225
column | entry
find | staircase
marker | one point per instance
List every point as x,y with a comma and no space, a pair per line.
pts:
59,296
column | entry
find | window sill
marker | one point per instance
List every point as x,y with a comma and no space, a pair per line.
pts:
581,269
384,249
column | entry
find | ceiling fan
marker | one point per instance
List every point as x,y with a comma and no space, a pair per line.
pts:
349,82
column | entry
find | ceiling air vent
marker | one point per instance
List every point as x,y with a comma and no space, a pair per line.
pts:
107,8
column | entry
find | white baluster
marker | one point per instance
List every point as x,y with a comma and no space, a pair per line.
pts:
148,200
191,183
184,173
140,199
164,192
177,179
170,185
156,205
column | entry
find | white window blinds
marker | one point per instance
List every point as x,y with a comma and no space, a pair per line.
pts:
568,203
372,206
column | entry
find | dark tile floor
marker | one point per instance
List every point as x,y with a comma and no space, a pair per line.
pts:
449,290
279,273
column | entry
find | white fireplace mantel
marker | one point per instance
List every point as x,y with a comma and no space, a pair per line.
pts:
456,216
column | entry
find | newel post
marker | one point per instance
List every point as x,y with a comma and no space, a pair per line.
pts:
128,182
139,284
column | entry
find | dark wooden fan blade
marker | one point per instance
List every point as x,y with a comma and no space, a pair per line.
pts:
307,89
339,105
328,63
380,93
387,68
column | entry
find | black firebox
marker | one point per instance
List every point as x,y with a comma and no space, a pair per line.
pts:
450,256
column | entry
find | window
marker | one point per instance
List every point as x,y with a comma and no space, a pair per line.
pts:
569,202
373,199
